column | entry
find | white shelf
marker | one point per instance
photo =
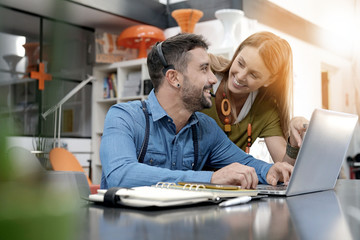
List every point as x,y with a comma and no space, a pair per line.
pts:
13,81
106,100
101,105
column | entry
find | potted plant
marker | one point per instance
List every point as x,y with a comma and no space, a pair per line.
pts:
40,145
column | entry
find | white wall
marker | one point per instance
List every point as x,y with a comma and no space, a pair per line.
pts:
343,19
333,15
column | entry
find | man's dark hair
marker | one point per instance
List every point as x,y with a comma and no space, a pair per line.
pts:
175,51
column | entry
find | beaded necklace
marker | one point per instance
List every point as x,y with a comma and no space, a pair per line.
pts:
226,111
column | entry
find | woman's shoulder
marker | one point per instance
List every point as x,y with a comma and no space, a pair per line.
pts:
265,103
264,107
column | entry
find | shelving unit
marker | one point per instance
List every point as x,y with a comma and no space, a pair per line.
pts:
101,105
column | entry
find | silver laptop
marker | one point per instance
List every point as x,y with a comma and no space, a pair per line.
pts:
321,155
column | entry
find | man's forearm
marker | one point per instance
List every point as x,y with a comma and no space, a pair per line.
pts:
139,174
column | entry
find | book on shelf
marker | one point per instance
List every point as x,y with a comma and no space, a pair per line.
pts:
113,78
110,86
166,194
111,92
106,93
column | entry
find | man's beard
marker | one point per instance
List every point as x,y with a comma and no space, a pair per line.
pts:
194,99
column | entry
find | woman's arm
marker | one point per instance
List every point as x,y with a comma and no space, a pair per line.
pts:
277,148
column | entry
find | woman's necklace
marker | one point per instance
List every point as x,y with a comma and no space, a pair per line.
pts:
226,111
249,128
249,139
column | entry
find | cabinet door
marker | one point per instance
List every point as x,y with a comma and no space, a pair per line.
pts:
18,93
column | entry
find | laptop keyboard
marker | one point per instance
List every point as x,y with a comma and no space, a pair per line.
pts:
269,187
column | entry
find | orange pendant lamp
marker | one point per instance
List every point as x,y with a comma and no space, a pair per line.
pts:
187,18
141,37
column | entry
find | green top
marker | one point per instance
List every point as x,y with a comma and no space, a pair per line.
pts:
265,122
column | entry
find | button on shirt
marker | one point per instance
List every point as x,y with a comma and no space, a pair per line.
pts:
169,156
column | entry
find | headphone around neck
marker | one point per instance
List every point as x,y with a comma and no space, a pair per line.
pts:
163,60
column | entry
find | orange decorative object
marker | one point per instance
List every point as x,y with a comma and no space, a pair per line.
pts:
226,110
249,138
32,51
187,18
141,37
41,76
225,103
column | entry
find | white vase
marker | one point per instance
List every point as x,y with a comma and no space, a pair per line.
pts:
229,19
12,60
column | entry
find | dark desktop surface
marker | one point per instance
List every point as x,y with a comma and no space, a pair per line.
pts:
333,214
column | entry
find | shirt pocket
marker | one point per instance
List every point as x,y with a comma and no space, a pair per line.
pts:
188,162
155,159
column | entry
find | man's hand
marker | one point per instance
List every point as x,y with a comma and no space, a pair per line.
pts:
236,174
280,171
298,126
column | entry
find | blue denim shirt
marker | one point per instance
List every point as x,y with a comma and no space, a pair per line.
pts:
170,156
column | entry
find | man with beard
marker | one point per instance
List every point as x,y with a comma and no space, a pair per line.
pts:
164,139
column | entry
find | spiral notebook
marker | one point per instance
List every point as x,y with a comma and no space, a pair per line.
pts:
166,194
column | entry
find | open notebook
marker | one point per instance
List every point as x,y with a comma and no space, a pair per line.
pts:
167,194
321,155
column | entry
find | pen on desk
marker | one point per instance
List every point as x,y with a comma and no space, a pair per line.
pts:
235,201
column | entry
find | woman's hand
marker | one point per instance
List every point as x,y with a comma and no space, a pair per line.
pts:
298,127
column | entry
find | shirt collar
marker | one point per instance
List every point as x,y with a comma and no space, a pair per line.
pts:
157,112
154,107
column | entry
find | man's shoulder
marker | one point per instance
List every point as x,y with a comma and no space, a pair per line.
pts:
128,106
131,108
